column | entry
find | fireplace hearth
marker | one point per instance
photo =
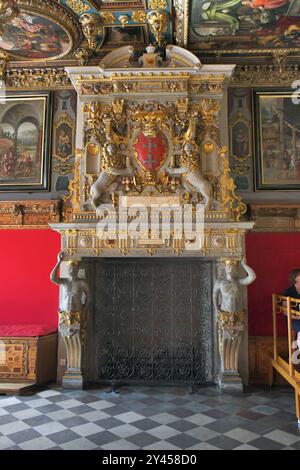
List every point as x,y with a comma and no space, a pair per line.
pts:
151,321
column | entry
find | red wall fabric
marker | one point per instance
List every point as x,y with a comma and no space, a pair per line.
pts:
272,256
28,297
26,294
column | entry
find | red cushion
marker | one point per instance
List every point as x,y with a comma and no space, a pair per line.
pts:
26,330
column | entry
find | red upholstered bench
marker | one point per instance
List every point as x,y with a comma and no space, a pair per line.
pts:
28,356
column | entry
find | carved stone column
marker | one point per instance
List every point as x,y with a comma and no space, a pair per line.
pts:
72,328
230,327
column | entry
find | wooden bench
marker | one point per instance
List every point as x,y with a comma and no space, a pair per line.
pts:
28,357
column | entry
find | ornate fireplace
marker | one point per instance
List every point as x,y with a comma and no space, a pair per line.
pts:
153,215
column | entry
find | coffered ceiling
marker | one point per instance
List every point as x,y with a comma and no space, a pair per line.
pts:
44,30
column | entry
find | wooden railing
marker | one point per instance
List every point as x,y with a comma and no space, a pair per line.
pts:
289,307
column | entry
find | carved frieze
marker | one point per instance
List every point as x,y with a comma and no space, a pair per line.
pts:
29,213
265,75
37,79
275,217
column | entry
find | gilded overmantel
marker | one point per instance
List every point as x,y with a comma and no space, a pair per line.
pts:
148,133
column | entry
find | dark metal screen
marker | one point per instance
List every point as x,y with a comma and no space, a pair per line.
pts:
152,320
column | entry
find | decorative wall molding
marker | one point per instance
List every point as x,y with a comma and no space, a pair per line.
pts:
275,217
37,79
274,75
29,214
55,78
260,351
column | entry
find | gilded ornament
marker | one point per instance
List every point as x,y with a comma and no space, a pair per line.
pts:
158,23
63,168
107,17
124,20
93,30
265,75
39,79
139,16
3,65
78,6
156,4
208,148
209,110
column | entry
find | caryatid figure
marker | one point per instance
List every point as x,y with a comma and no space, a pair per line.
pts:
228,298
74,303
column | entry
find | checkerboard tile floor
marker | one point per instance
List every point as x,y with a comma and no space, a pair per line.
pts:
157,418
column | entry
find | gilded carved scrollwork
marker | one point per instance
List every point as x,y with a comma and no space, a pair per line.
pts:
158,23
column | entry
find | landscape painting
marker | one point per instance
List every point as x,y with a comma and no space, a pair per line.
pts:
245,24
24,137
277,130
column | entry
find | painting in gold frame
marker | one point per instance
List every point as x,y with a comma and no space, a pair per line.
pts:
25,136
277,140
64,138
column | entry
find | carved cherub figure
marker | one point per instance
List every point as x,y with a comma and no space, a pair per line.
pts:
112,166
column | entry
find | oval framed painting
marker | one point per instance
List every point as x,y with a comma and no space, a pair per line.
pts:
45,32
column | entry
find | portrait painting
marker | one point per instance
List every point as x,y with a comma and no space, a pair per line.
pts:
244,24
64,135
25,120
277,140
240,141
30,36
118,36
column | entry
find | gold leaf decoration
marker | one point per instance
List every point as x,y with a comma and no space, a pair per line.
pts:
108,17
139,16
78,6
156,4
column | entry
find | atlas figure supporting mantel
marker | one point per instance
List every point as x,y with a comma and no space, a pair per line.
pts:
228,295
228,300
73,308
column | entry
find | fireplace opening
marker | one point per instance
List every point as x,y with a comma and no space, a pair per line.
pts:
151,321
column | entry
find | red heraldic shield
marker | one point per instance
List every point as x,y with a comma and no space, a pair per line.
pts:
151,151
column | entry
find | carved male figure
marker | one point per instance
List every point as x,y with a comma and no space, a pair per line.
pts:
228,295
73,307
75,298
229,302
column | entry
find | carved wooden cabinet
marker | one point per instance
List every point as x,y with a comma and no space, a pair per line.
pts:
31,360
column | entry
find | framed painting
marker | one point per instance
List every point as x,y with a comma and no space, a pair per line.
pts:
25,128
237,26
64,138
118,36
277,140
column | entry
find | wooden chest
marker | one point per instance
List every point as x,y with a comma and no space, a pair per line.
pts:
28,360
